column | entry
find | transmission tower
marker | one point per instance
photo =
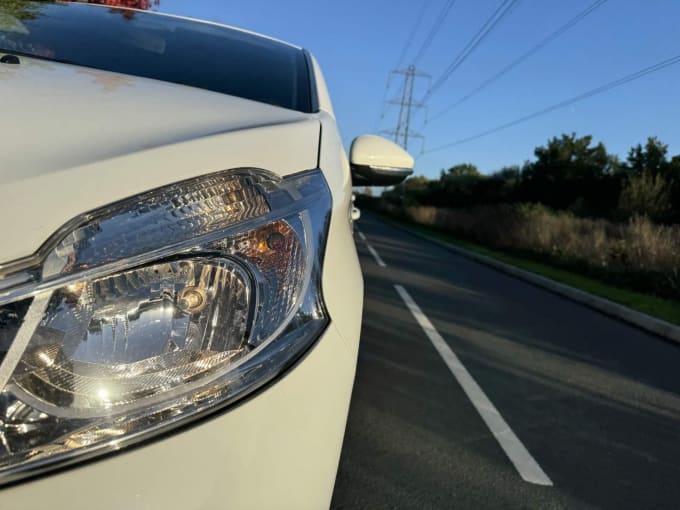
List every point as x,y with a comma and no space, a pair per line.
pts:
402,133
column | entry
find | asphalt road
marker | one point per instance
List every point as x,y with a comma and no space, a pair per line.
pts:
595,402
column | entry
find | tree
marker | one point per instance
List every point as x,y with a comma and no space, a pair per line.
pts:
570,171
646,195
417,183
675,166
570,158
461,170
650,159
653,185
456,187
501,186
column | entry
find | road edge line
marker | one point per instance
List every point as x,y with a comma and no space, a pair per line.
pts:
378,259
376,256
525,464
658,327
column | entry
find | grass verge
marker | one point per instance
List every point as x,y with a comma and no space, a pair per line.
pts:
664,309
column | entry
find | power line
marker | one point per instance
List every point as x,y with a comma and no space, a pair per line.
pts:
423,48
383,103
598,90
409,40
551,37
404,51
496,17
439,21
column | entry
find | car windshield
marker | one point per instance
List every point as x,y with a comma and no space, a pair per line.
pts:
164,48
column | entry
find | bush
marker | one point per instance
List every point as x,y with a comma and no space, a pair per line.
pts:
647,195
637,254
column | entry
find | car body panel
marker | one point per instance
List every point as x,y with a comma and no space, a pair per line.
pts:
277,450
79,146
323,96
342,280
82,115
77,139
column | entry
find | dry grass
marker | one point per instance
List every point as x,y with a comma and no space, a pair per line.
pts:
638,254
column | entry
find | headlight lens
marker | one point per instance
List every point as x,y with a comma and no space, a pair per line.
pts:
156,310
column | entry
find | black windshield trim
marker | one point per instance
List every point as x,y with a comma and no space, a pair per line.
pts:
170,49
313,91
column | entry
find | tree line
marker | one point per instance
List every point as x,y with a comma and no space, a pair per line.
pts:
569,173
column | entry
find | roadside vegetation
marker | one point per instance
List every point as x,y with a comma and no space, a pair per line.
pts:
575,207
664,309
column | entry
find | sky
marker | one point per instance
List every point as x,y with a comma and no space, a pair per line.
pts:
357,43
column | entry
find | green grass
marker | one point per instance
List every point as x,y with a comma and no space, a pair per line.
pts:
664,309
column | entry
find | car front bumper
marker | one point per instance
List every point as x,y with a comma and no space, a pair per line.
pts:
277,449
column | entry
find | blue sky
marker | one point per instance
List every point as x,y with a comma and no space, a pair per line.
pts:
358,42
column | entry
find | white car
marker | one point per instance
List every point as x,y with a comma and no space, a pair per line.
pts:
180,296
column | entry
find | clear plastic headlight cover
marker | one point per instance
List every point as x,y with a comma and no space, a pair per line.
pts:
156,310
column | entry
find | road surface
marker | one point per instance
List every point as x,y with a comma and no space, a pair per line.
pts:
470,382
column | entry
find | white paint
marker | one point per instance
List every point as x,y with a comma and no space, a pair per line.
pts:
523,461
140,134
90,161
225,458
325,104
376,151
377,258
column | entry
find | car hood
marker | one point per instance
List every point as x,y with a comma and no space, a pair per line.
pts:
74,139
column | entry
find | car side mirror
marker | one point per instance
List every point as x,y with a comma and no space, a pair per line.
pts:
375,161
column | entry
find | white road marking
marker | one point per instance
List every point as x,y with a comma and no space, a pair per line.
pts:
525,464
377,258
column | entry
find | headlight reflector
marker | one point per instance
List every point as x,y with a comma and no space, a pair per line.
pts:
121,339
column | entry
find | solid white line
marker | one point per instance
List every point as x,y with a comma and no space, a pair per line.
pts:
361,236
377,258
525,464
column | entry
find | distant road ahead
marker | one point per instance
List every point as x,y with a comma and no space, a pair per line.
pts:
576,399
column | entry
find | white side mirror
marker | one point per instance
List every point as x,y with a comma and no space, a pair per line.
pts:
376,161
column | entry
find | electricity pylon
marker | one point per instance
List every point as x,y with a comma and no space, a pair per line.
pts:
402,133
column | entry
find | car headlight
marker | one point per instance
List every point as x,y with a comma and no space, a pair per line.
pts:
156,310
